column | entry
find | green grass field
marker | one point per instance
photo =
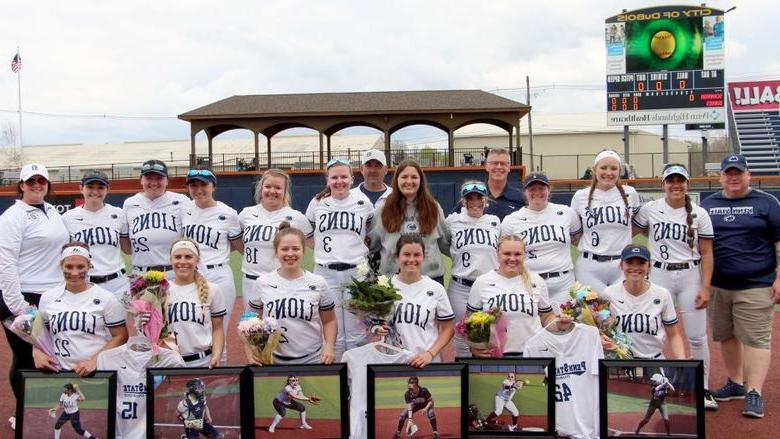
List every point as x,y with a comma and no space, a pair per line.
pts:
45,392
618,403
389,392
266,389
216,390
530,400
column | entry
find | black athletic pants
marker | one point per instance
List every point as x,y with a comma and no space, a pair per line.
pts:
21,351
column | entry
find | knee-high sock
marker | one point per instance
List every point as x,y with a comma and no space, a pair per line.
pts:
276,421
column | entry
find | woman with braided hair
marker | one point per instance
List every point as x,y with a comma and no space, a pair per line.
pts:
194,309
605,209
680,241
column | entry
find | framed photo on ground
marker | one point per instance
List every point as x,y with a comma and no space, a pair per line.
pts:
652,398
434,396
298,401
193,402
510,397
68,403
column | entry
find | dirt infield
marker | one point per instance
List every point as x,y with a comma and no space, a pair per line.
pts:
523,422
288,428
448,422
38,424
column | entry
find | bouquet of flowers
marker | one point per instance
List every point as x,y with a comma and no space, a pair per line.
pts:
146,296
484,330
29,327
373,298
586,306
261,336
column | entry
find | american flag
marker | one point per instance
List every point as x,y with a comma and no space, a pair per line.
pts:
16,64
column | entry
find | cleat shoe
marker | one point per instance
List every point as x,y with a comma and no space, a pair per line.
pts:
729,391
709,401
512,428
412,430
305,426
397,435
12,421
754,405
271,429
435,435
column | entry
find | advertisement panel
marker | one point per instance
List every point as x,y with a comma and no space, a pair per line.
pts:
755,95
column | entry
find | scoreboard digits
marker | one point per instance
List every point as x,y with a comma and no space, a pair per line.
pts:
662,90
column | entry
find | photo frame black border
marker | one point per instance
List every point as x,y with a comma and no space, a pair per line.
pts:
248,403
200,372
549,363
458,368
100,374
604,365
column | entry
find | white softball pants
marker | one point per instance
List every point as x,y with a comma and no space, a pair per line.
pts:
223,276
597,275
351,331
459,296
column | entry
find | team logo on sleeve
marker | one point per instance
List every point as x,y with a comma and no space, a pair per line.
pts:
176,202
114,216
222,217
657,301
288,218
312,287
96,301
560,212
361,202
429,293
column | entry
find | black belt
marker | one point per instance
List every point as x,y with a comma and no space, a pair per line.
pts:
463,281
552,274
338,266
209,267
674,266
193,357
108,277
285,358
600,258
251,276
154,268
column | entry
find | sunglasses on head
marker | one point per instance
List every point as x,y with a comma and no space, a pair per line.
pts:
152,167
333,162
479,187
202,172
40,180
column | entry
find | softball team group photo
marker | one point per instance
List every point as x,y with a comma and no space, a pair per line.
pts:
705,267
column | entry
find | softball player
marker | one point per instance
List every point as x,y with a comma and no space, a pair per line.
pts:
423,319
299,301
214,226
659,388
472,249
194,412
520,294
509,386
69,403
83,319
680,240
260,223
546,228
33,235
605,210
100,225
154,219
644,311
417,398
288,398
194,309
340,219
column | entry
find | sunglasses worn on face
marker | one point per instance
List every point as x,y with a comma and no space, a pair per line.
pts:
333,162
40,180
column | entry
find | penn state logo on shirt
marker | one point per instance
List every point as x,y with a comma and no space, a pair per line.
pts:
657,301
114,216
96,301
360,202
729,218
560,212
411,227
493,223
312,287
288,218
429,293
222,217
175,202
33,216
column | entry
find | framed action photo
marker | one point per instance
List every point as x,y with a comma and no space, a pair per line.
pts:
404,401
652,398
510,397
67,405
193,403
298,401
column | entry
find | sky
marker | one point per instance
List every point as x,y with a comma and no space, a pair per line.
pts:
100,72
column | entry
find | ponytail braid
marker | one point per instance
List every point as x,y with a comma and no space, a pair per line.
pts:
689,220
623,195
203,288
592,188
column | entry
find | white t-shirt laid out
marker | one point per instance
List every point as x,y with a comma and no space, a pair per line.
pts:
577,354
190,320
259,228
473,244
521,307
423,304
80,324
643,318
101,231
153,226
667,231
212,228
606,225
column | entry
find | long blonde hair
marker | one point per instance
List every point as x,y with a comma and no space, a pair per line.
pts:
525,273
273,173
200,280
618,184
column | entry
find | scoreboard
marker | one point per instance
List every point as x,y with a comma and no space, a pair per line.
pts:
665,66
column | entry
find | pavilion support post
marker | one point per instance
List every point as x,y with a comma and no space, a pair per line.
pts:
450,148
257,150
192,150
322,152
330,155
268,151
211,152
388,153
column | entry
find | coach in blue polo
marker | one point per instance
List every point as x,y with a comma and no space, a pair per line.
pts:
745,283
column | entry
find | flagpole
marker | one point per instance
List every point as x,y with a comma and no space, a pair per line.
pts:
19,89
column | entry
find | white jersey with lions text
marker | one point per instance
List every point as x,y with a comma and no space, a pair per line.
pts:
547,236
521,307
259,228
296,304
153,226
507,390
642,318
606,225
189,319
473,244
70,403
101,231
80,323
340,228
577,354
667,231
212,228
130,365
423,304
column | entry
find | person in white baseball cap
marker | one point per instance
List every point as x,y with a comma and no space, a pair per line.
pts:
373,168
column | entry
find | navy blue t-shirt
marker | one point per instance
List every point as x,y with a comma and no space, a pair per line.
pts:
746,230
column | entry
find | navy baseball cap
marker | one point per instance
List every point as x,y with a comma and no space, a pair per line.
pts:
94,176
676,170
203,175
536,178
734,161
154,167
635,251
